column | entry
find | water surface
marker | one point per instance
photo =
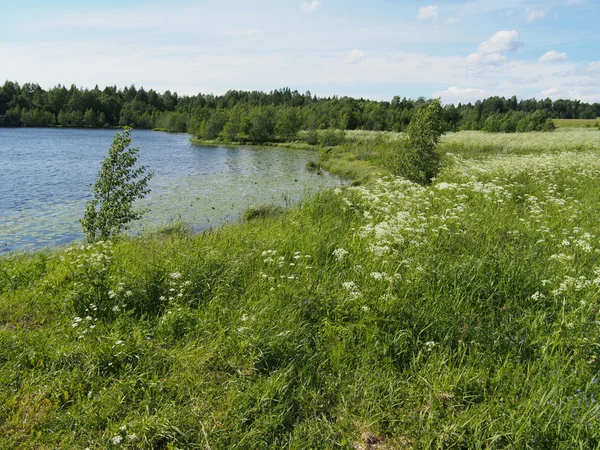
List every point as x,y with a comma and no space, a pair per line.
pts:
46,176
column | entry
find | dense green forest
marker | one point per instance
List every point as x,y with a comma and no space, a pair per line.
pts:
259,117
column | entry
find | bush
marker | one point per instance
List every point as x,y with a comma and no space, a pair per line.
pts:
417,159
331,138
262,212
312,166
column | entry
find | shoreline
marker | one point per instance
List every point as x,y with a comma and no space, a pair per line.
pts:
285,145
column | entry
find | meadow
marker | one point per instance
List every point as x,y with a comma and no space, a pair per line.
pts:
577,123
381,315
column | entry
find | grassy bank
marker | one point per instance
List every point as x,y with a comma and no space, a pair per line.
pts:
298,145
365,155
461,315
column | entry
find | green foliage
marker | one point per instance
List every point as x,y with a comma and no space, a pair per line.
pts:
332,137
312,166
262,212
393,315
288,124
417,159
119,184
261,124
30,105
214,125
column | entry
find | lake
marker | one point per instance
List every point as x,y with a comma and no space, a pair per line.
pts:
47,175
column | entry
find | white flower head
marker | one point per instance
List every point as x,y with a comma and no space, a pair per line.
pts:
340,254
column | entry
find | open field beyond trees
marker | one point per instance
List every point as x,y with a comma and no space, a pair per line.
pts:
383,315
577,123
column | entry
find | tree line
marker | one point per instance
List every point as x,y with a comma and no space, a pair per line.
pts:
256,116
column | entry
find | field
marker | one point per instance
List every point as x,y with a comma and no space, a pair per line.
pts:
384,315
577,123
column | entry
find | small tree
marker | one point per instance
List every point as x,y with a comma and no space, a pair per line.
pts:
119,184
417,159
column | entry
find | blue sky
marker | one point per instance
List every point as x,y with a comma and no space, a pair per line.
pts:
459,50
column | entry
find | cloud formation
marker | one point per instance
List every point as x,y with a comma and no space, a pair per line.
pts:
264,46
553,56
356,56
532,14
310,6
549,92
489,60
455,19
502,41
428,12
594,66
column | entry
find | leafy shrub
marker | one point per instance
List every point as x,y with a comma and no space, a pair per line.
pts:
261,212
119,184
416,159
332,138
312,166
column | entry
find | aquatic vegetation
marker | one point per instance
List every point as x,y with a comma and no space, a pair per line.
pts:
262,211
201,186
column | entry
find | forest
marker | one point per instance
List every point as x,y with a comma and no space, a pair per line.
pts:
255,116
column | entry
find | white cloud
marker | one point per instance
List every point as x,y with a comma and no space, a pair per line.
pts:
594,66
549,92
455,19
502,41
310,6
428,12
356,56
587,98
553,56
455,94
193,68
488,60
532,14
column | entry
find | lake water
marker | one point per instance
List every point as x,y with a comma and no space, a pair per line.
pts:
47,175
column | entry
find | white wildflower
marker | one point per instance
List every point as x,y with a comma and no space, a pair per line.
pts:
349,285
340,254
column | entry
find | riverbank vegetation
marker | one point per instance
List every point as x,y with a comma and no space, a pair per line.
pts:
366,155
462,314
257,117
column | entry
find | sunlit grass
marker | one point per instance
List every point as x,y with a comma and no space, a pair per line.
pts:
577,123
390,315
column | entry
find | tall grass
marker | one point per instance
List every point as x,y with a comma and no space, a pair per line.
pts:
577,123
389,315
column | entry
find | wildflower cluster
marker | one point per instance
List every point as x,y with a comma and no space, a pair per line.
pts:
123,436
178,287
283,269
85,325
90,270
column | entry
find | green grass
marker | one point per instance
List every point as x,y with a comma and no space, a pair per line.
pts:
377,147
388,315
577,123
297,145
